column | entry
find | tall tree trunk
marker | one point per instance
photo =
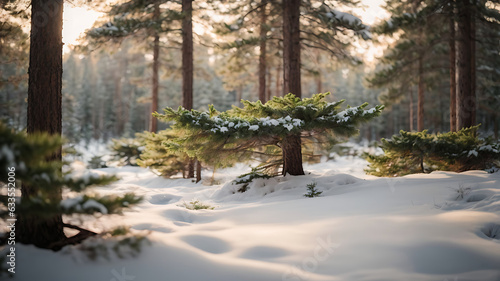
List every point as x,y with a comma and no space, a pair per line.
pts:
187,65
279,93
156,61
473,63
239,94
291,48
466,103
453,81
44,112
420,113
291,147
262,48
319,83
411,108
268,84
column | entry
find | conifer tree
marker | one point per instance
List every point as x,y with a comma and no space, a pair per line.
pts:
219,138
39,213
143,19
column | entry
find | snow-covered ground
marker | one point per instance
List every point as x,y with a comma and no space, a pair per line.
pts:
435,226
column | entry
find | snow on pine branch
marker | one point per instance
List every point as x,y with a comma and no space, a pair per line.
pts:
297,118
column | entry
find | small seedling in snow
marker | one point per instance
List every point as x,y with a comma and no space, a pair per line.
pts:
197,205
462,191
312,191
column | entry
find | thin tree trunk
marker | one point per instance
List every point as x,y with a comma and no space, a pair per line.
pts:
279,93
464,67
473,65
198,171
156,62
291,147
411,108
291,48
319,83
239,94
44,113
268,85
262,56
453,81
420,112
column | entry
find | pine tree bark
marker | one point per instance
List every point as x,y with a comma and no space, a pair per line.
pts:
464,67
410,105
291,147
156,62
453,81
421,95
291,48
473,63
279,93
187,66
198,171
269,94
187,54
262,55
44,112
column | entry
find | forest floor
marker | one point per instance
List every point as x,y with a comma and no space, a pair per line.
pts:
438,226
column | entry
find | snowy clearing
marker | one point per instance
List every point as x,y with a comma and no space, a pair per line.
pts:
439,226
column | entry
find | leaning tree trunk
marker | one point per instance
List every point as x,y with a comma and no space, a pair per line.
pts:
156,62
187,66
44,112
291,48
291,147
262,56
453,81
465,99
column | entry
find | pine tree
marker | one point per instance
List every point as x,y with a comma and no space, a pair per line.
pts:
218,138
143,19
39,213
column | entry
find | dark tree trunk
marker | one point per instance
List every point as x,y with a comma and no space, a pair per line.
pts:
262,56
198,171
268,85
279,93
291,48
44,112
291,147
156,62
465,99
187,54
411,108
453,81
473,64
420,109
187,65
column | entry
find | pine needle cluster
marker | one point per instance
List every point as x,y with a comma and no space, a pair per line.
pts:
421,152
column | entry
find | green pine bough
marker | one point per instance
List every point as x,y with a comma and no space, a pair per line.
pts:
48,187
421,152
221,138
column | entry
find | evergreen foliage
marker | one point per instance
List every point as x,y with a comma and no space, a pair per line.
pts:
126,151
223,138
421,152
312,191
158,157
247,178
27,155
197,205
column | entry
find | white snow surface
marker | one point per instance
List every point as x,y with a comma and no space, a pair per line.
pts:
420,227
